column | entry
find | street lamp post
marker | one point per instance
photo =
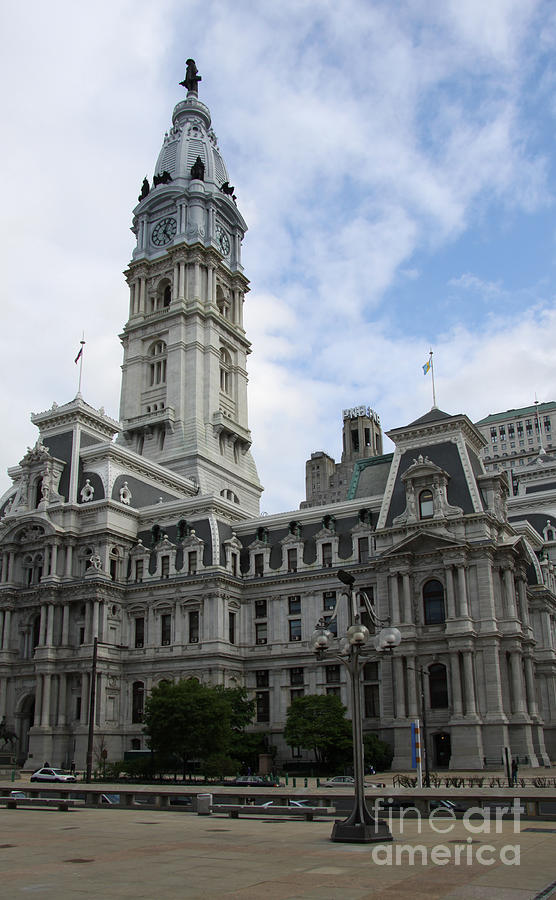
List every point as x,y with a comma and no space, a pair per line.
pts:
360,826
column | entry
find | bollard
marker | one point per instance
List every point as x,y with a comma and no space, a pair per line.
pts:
306,782
318,781
204,803
13,774
287,779
294,782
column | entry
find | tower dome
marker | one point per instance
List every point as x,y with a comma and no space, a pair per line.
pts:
191,138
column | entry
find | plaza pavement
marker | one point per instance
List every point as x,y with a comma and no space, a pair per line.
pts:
159,855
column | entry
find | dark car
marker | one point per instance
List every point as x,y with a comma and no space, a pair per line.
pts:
48,774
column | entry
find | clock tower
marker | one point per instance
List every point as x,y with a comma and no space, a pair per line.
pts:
184,377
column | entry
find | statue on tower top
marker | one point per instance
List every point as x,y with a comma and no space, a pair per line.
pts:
191,79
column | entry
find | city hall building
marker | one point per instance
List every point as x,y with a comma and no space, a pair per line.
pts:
146,535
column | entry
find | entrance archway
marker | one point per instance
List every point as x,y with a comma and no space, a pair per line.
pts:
24,720
442,745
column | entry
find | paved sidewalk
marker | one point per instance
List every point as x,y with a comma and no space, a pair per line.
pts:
112,853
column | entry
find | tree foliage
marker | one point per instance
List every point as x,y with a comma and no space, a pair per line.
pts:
318,722
377,753
193,721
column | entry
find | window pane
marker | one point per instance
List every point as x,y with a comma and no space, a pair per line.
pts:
295,629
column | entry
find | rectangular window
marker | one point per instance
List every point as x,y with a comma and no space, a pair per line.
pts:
294,605
328,599
82,634
335,691
165,629
261,633
327,555
372,701
363,549
78,708
113,569
261,677
296,675
332,674
295,629
292,559
370,671
331,624
260,609
138,570
298,692
262,699
259,564
192,562
232,627
165,567
139,631
234,563
194,627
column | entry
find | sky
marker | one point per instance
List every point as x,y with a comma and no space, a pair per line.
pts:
394,162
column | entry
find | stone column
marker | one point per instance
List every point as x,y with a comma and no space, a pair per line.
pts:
101,695
509,589
62,698
470,698
88,621
462,591
47,686
65,624
49,624
3,696
457,704
530,686
395,600
69,561
176,284
53,559
7,629
2,639
450,598
522,595
517,682
85,678
399,687
4,575
178,624
38,700
103,612
413,703
42,625
406,590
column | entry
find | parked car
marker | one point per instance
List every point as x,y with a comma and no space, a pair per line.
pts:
447,805
18,795
338,781
47,774
289,803
250,781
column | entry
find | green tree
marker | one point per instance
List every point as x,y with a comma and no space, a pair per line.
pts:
318,722
377,753
189,720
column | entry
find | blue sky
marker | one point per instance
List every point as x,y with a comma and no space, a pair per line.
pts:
394,162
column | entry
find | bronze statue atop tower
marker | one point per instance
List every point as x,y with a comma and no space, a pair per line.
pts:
191,79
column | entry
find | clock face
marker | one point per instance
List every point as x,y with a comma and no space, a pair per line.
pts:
164,232
223,240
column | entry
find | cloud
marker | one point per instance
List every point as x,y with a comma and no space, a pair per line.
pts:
362,137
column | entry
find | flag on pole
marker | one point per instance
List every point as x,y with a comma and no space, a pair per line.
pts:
426,367
79,355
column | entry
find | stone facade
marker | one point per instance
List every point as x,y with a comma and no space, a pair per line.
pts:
152,543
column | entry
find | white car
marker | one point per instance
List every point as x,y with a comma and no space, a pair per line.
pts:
48,774
338,781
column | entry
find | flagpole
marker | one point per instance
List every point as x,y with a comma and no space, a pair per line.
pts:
433,387
82,342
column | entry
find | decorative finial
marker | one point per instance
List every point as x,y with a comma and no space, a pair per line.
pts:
191,79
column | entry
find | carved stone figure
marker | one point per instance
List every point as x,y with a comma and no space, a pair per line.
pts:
96,562
191,79
145,188
198,169
87,492
125,494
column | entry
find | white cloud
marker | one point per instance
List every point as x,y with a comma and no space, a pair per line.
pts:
362,136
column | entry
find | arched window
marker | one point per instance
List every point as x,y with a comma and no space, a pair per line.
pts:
426,507
138,698
433,603
225,371
157,366
438,686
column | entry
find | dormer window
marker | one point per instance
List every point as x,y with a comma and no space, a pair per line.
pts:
426,506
